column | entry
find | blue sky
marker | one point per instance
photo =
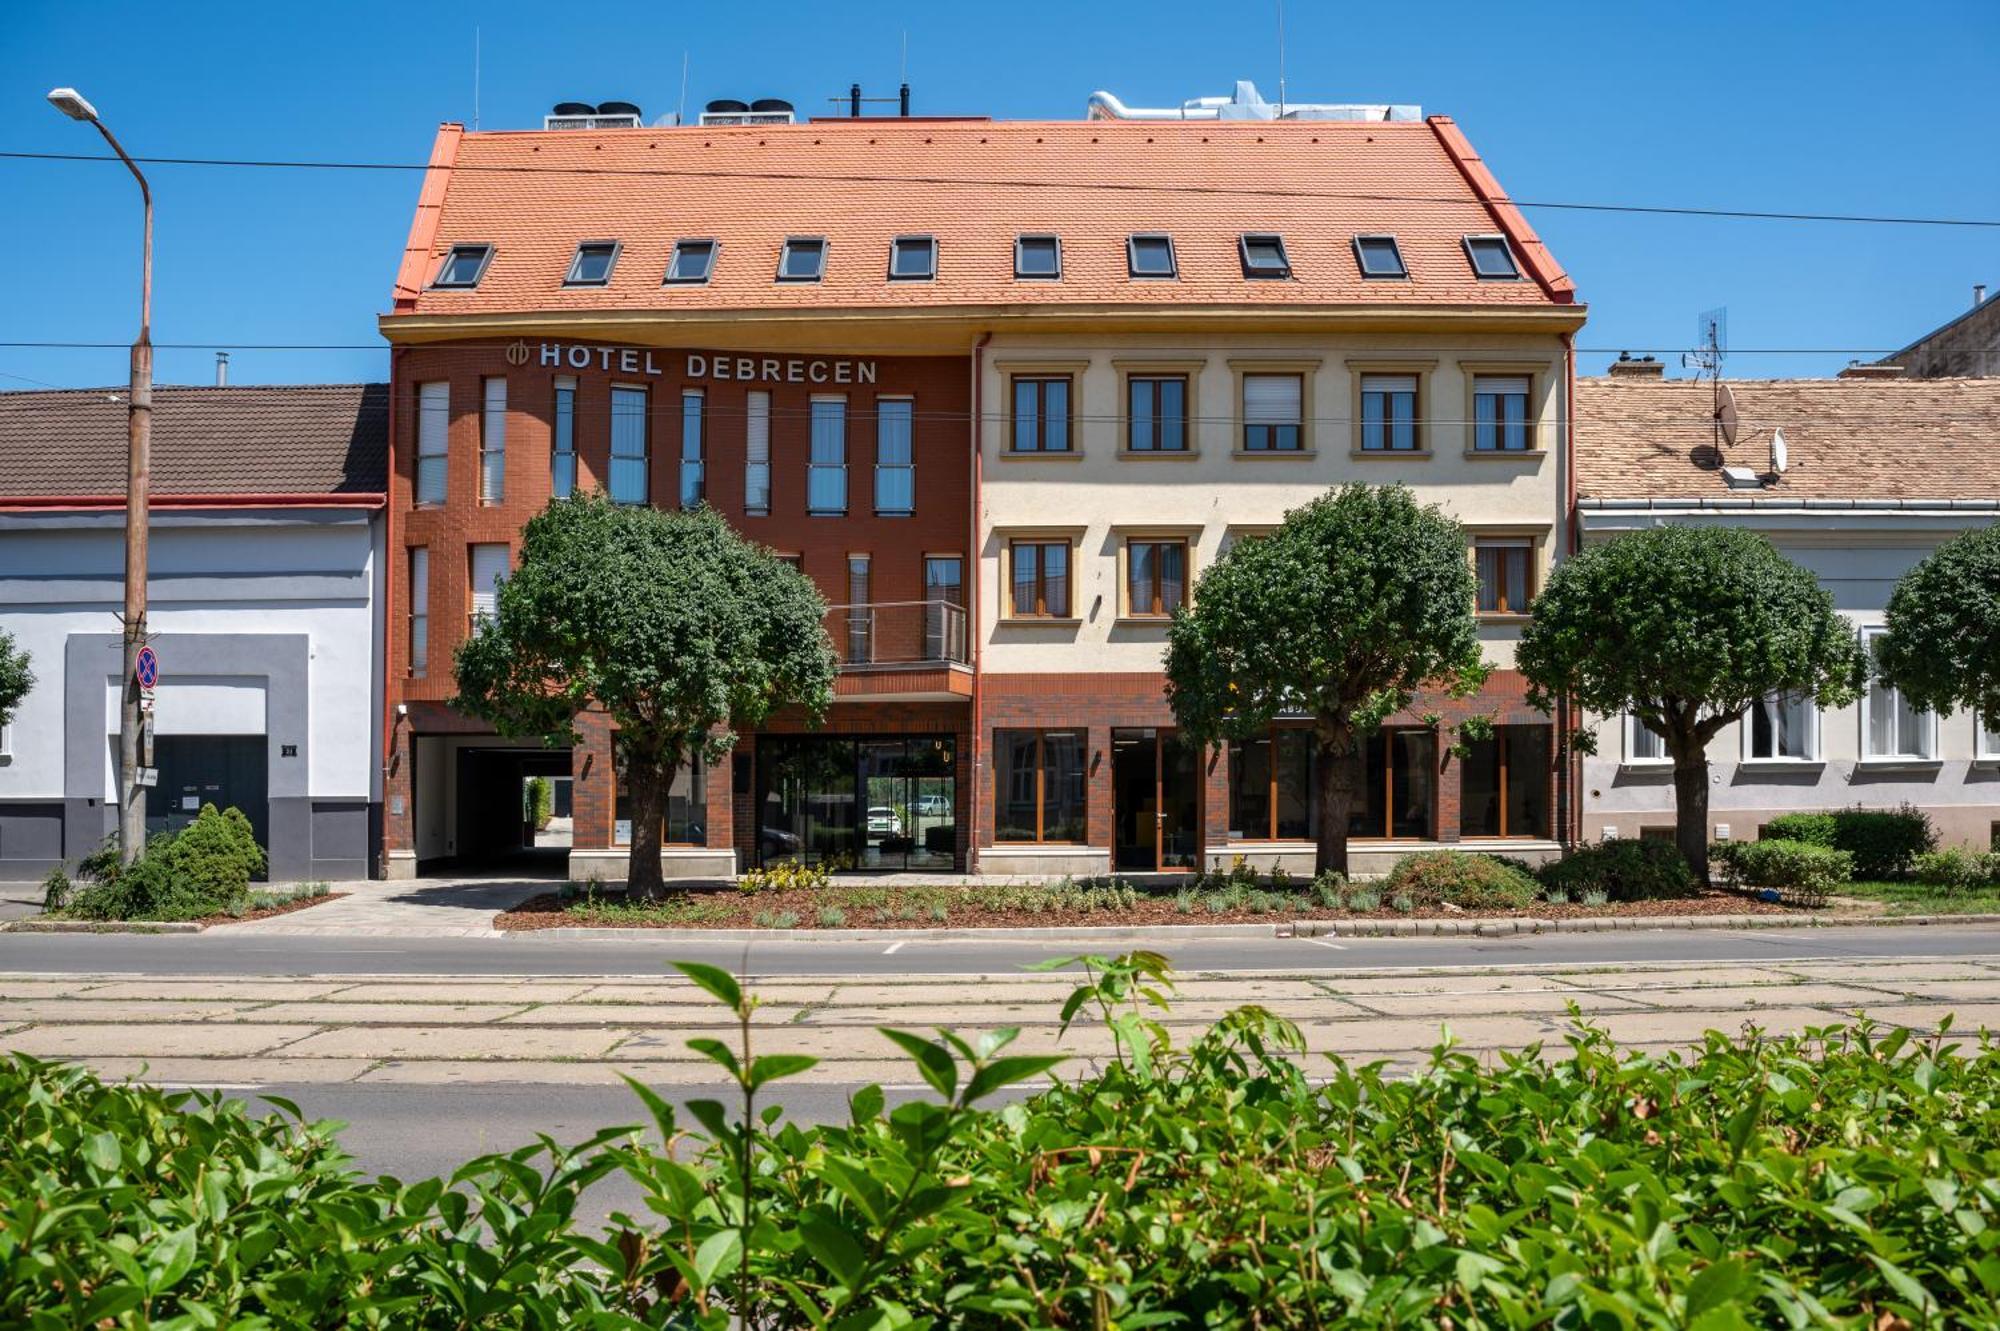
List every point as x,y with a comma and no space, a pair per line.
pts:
1833,107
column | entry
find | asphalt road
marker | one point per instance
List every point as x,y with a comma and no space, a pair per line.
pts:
219,954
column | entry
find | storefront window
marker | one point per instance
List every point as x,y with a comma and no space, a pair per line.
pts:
1504,784
1271,786
686,820
1038,785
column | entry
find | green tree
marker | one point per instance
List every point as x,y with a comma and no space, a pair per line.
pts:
15,677
1355,602
673,624
1685,628
1943,645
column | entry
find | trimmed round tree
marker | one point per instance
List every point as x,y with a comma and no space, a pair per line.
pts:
1942,648
15,677
1355,602
678,628
1685,628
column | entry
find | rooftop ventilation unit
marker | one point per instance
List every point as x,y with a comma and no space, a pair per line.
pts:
582,115
763,111
1245,105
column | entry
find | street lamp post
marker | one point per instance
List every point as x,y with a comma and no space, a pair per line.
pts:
138,485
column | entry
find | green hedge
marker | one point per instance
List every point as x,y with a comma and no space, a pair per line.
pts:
1638,869
1957,867
203,869
1844,1178
1805,873
1462,878
1884,843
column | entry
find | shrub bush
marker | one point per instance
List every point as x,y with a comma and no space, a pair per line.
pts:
786,876
1884,842
1631,870
1841,1177
541,802
1804,872
204,869
1956,867
1461,878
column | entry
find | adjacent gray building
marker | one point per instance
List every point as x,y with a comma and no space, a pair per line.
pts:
265,608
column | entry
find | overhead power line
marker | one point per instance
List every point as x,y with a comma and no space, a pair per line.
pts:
1428,349
981,182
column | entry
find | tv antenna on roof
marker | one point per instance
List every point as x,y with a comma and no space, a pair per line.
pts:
1711,342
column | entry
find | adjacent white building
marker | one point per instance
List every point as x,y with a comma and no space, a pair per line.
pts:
265,609
1856,478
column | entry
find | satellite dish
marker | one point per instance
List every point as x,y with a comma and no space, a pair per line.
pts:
1725,412
1780,456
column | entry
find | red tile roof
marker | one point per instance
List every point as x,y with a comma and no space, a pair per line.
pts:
290,440
534,195
1845,438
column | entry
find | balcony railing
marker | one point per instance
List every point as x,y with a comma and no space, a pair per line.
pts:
890,634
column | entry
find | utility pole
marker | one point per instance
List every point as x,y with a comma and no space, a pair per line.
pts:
138,486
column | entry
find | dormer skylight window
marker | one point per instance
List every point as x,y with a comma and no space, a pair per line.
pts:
1150,256
1492,257
1379,257
804,259
464,266
693,261
913,258
1264,256
1038,257
593,263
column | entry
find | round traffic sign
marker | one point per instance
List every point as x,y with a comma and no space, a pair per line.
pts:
147,669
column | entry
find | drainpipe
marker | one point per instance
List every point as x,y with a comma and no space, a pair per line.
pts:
1568,718
975,562
388,584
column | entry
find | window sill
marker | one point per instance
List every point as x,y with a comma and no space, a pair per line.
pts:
1039,622
1275,454
1046,455
1782,764
826,513
1899,764
1661,766
1142,621
1159,454
1502,616
1507,454
1390,454
895,513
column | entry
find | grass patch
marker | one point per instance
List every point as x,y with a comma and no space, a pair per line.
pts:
1926,898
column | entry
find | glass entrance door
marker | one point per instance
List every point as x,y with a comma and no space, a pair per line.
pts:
1156,822
878,805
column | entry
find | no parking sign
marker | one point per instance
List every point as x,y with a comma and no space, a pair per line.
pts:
147,668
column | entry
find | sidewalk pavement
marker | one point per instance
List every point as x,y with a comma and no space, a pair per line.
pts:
586,1030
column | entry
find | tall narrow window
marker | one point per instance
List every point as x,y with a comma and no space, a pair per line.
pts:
1156,414
684,822
895,463
1890,726
493,443
1040,579
630,480
826,473
1506,569
1500,413
433,432
488,568
860,612
420,611
694,468
1505,784
757,454
1271,786
1643,745
1782,726
1041,415
1038,785
1272,412
562,441
1395,785
944,608
1389,413
1155,578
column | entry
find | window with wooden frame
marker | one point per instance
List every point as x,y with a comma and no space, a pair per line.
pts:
1273,413
1039,785
1506,569
1156,413
1395,788
1038,579
1156,576
1505,784
1271,786
1040,414
1501,413
1388,417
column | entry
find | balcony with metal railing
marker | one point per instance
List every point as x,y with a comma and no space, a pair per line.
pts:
901,649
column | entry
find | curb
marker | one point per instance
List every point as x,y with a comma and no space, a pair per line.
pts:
1492,928
102,927
1110,933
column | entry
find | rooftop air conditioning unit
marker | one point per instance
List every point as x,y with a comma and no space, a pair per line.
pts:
763,111
582,115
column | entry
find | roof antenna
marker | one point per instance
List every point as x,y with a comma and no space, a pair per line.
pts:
1281,59
680,107
905,75
475,80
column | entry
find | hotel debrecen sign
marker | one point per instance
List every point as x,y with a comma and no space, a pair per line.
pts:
750,369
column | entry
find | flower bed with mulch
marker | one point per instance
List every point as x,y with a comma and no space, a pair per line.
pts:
278,906
938,907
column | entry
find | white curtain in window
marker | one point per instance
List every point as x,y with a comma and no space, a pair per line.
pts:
493,442
1641,744
489,568
433,429
1781,726
757,453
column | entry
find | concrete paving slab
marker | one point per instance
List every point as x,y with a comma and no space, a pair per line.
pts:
1480,984
677,1016
1686,1027
1192,1013
455,991
12,987
1724,998
1967,1019
1449,1006
1958,991
1675,977
202,1039
1895,972
245,991
1417,1036
852,1042
234,1072
685,993
127,1010
455,1042
334,1013
436,1072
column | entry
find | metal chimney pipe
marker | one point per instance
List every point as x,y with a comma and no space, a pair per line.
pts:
854,101
1978,294
906,101
222,369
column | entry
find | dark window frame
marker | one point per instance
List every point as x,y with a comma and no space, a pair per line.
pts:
570,279
929,245
1151,383
451,259
1509,547
1275,429
1387,425
1132,243
1041,414
1472,246
1157,597
785,255
1256,272
714,248
1387,736
1402,273
1055,244
1502,742
1043,582
1041,837
1500,429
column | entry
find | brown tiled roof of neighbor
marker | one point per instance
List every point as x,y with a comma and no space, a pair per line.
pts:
1844,438
975,186
280,440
